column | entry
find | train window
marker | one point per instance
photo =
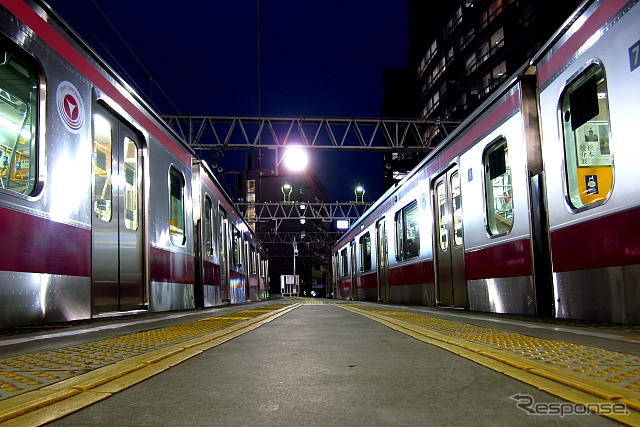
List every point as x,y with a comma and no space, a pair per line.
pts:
236,246
207,226
456,205
365,252
498,189
443,235
131,184
102,165
18,119
399,236
253,258
223,243
176,208
407,232
586,131
344,263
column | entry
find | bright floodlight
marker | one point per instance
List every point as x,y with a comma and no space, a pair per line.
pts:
342,224
295,158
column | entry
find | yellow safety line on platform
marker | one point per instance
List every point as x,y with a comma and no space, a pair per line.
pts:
52,402
560,382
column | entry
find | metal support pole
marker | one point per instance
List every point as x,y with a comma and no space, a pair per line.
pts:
295,250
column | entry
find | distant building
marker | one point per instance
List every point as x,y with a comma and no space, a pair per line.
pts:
459,52
258,184
398,102
462,50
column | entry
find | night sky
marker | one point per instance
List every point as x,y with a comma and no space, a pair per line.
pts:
317,58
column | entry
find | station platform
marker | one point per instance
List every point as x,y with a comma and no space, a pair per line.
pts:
311,362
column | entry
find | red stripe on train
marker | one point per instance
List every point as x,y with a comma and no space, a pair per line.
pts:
609,241
473,134
605,12
172,267
344,285
367,281
32,244
512,259
412,274
211,274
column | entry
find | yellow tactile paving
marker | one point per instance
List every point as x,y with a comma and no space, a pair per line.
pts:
589,371
31,383
311,300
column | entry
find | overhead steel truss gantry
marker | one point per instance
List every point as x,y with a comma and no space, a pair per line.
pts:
319,211
251,133
220,133
277,212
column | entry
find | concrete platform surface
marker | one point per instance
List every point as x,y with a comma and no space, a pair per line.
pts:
308,362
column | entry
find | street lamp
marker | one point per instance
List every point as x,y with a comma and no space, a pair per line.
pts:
295,252
302,208
359,192
286,192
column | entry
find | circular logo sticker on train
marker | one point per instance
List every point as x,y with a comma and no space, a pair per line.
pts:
70,107
424,202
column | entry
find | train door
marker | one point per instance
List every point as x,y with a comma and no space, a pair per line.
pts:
250,269
335,275
382,261
205,295
354,276
449,251
264,264
117,229
223,241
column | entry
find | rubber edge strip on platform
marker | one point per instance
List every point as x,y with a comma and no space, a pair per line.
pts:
65,397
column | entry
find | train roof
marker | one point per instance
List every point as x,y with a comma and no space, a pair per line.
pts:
104,66
486,105
442,147
108,69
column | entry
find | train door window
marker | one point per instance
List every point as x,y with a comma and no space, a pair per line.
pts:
456,204
443,235
131,184
176,208
407,232
344,263
18,119
207,226
236,246
247,252
222,243
222,235
253,259
102,168
365,252
399,236
586,131
498,189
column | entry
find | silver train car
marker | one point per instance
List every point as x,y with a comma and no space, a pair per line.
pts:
103,209
531,206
